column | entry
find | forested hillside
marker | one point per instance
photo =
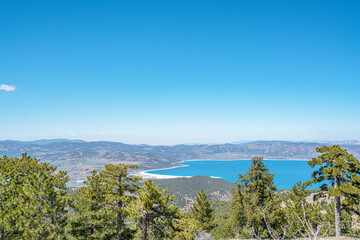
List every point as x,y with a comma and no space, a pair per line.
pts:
185,189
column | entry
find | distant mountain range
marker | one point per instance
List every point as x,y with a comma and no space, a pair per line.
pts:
42,141
79,157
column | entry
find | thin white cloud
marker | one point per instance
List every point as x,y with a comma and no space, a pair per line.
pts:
7,88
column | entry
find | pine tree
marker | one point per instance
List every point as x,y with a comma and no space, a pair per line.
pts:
253,194
202,212
157,213
120,193
340,170
10,179
34,206
91,218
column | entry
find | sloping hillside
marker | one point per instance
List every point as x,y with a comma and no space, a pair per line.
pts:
185,189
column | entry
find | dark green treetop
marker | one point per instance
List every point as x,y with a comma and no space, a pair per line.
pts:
157,212
341,171
33,200
254,193
202,212
91,219
120,193
335,163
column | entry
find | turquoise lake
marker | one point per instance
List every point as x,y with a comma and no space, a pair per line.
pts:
287,172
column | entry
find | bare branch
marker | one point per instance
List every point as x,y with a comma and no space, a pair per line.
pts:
325,233
254,234
307,221
269,228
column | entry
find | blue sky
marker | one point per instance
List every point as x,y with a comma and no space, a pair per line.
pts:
168,72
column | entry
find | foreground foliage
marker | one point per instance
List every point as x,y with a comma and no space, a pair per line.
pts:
254,194
112,204
90,217
33,199
340,170
157,212
202,212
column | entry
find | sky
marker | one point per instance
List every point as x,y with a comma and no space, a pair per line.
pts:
171,72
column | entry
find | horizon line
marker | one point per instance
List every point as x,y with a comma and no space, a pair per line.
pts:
189,143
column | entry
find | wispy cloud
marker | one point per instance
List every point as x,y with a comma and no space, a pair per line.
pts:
7,88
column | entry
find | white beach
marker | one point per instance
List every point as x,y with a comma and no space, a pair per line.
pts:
146,175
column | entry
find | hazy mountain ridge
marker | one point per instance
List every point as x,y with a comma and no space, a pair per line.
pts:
80,157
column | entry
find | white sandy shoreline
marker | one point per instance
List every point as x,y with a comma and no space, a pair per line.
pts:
146,175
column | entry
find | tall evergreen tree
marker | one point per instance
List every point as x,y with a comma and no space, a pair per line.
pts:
340,170
91,219
254,193
157,211
121,188
202,212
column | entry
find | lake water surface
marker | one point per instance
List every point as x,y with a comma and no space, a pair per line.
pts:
287,172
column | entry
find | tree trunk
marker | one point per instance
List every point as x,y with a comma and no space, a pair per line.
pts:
119,213
119,226
92,225
337,211
91,233
144,227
